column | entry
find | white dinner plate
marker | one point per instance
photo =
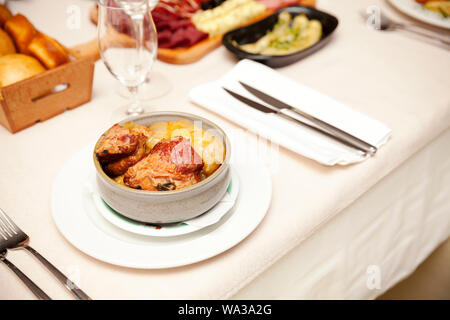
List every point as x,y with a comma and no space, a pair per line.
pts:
83,226
417,11
209,218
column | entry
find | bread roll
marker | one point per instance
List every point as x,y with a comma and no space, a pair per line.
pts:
6,44
48,51
21,31
16,67
5,14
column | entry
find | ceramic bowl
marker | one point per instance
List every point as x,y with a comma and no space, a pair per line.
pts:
167,206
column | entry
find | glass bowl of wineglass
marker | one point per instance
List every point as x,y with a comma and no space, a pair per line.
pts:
127,42
156,84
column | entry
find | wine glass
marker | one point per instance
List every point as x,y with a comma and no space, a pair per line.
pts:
156,84
127,42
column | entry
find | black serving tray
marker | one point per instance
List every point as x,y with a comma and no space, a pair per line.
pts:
255,31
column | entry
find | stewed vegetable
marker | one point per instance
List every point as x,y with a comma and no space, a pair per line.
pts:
288,36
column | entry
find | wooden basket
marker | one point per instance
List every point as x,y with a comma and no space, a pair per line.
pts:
46,95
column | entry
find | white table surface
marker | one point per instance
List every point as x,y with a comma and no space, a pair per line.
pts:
394,78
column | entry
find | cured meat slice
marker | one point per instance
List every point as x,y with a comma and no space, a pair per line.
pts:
277,4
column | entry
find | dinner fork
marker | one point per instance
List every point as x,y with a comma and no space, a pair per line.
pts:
386,24
28,282
17,239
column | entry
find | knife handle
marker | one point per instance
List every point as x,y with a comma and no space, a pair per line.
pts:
329,131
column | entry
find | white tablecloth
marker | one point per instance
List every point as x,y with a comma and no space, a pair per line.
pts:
378,239
391,77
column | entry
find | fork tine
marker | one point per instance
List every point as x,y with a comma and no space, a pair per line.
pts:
3,235
8,223
5,231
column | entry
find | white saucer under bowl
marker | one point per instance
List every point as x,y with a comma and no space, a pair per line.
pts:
83,226
209,218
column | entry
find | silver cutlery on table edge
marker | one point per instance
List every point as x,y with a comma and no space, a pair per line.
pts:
300,117
12,237
386,24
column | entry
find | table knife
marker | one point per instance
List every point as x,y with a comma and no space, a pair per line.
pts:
282,107
293,116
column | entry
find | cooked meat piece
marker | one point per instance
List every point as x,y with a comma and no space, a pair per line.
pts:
148,133
140,129
117,142
172,164
120,166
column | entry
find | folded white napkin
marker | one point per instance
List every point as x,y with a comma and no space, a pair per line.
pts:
297,138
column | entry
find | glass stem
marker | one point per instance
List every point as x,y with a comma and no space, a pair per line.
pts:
135,106
138,24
